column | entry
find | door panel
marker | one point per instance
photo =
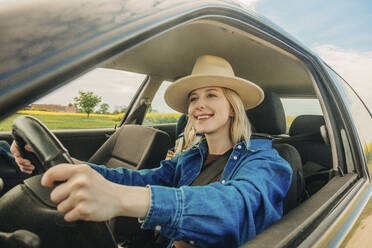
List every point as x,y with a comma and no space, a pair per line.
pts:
81,143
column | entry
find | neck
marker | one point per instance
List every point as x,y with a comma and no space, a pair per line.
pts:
217,144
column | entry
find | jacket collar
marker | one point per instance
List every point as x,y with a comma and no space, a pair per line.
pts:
254,145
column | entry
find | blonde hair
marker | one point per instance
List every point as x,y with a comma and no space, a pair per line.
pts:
240,127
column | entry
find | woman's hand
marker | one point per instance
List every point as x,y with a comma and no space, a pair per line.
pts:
24,164
87,195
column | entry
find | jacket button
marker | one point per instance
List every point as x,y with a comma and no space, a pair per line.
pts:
239,147
223,181
235,157
158,228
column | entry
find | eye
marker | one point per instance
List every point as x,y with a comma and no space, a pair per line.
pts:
212,95
192,99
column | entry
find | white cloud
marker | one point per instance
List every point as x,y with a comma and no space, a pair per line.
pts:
354,66
115,87
250,4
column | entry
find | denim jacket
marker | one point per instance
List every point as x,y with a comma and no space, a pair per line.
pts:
247,199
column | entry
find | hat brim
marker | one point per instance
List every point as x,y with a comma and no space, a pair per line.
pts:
176,95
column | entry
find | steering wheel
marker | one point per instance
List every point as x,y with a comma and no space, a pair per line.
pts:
28,206
48,149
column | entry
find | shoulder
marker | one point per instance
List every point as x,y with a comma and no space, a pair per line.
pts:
261,155
258,148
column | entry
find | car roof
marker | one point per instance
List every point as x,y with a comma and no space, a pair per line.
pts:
45,45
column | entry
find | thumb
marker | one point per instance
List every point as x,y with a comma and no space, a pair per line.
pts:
28,148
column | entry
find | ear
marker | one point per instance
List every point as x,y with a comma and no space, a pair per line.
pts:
232,113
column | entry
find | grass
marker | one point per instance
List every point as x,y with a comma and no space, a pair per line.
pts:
65,122
54,121
289,120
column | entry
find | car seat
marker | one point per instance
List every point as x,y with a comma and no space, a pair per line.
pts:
269,122
133,147
312,144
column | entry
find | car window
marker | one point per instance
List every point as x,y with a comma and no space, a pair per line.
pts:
358,111
97,99
294,107
159,112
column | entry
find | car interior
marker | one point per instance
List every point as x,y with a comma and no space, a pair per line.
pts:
310,144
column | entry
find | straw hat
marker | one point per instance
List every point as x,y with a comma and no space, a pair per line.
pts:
212,71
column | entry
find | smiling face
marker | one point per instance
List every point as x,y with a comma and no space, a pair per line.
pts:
209,111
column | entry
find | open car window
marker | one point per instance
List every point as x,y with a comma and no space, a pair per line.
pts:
294,107
159,112
97,99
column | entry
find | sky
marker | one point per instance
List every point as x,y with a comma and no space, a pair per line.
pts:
340,32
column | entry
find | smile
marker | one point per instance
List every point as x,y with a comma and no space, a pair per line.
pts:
203,117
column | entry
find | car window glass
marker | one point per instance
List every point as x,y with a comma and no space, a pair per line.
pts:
361,117
159,112
97,99
294,107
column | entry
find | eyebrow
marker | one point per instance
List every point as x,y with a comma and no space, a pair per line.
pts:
193,93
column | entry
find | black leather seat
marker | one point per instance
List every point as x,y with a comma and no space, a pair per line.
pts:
316,155
268,119
134,147
312,149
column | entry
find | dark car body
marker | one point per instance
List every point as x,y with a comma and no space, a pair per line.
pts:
45,45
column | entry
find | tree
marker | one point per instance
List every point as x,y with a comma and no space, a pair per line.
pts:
87,101
120,109
103,109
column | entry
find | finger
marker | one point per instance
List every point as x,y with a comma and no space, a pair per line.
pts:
61,172
76,214
66,205
27,171
62,191
28,148
24,162
14,149
26,168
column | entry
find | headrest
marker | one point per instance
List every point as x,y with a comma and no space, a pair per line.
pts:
133,147
181,124
305,124
269,116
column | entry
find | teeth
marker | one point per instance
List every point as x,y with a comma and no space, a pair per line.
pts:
203,117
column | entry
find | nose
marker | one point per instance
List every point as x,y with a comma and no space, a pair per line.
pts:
196,105
199,103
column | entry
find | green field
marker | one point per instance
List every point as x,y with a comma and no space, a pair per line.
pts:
65,122
79,122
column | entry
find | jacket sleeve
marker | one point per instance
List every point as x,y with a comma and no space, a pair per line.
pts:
163,175
222,215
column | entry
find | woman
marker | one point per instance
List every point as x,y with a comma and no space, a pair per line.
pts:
236,205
